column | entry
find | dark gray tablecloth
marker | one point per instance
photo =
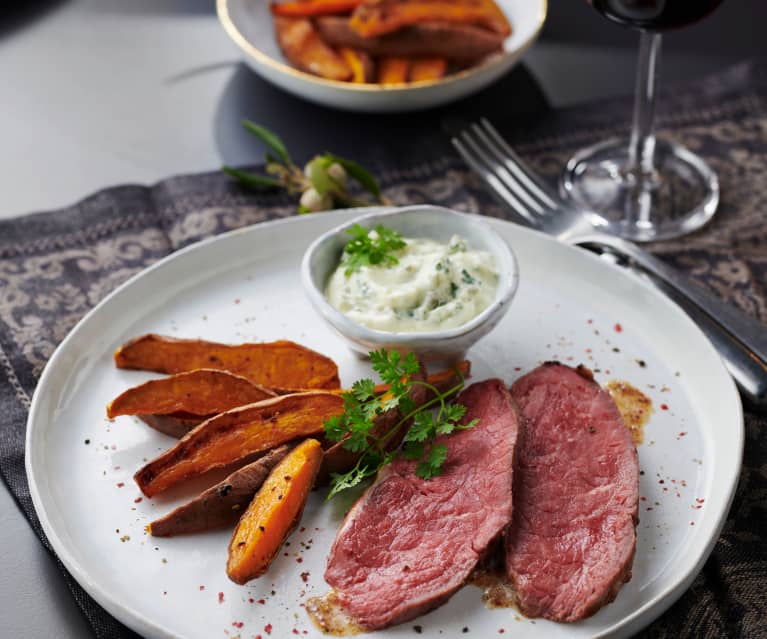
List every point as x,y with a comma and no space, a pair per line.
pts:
55,266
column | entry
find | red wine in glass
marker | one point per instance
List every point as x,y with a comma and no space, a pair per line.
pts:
640,187
655,15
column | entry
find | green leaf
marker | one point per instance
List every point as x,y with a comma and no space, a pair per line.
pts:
432,466
362,406
357,441
335,428
363,390
454,412
270,139
340,482
410,366
366,249
412,450
359,173
251,179
421,429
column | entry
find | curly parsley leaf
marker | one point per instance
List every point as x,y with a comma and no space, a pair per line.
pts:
371,248
356,427
432,465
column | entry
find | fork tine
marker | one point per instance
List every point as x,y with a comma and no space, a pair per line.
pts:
476,160
511,180
519,167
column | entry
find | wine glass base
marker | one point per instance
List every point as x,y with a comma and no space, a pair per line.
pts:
680,196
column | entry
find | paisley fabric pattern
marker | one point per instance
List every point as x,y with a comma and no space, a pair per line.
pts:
56,266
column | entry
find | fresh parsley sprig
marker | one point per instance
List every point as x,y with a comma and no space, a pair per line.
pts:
323,184
356,426
370,249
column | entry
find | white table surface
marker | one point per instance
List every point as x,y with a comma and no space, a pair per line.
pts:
96,93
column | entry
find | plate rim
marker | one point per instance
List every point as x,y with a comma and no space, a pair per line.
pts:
644,615
247,47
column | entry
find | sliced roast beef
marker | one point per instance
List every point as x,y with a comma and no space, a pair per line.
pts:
571,543
408,544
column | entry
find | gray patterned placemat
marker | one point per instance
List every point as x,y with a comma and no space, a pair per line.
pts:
56,266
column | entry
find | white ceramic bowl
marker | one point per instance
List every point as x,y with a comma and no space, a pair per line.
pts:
249,24
424,221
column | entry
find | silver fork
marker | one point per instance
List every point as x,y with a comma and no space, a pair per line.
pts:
740,339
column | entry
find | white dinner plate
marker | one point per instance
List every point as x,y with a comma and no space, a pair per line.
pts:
249,24
245,286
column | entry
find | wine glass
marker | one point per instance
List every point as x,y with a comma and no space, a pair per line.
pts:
642,188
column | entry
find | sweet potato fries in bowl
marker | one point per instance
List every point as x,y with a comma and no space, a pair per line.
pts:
382,55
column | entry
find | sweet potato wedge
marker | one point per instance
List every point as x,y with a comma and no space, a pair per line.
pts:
201,392
306,50
313,8
281,364
380,17
273,513
393,70
425,69
223,504
239,434
459,43
361,64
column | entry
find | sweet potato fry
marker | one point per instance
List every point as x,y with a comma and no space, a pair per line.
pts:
201,392
238,434
313,8
460,43
222,504
393,70
386,16
361,64
424,69
280,364
304,48
273,513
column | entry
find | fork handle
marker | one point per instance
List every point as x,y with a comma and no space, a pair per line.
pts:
747,330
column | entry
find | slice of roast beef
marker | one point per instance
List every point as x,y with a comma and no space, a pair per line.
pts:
408,544
571,543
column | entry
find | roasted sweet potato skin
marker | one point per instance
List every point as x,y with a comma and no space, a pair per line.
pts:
305,50
274,512
223,504
459,43
174,425
239,434
281,364
200,392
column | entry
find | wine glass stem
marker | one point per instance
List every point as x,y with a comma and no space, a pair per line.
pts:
640,173
642,144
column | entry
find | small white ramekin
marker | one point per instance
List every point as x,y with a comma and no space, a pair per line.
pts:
422,221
